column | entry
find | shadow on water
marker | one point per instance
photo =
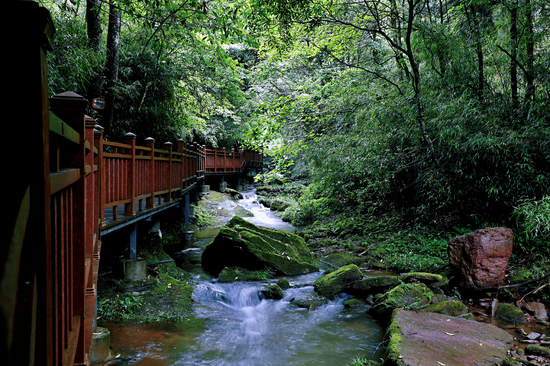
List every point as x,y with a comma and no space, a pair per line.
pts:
234,325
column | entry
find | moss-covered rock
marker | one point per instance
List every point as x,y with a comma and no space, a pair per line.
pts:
411,296
234,194
283,283
435,280
241,243
509,361
537,350
279,204
510,313
375,284
354,303
309,301
273,292
337,281
232,274
341,259
468,316
452,307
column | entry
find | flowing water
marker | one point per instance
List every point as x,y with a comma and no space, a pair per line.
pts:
235,326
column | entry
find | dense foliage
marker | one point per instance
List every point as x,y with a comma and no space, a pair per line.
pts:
432,115
433,111
174,78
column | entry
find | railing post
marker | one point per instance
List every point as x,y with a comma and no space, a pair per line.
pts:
233,159
70,107
151,199
100,188
168,146
224,160
129,208
188,165
182,152
203,160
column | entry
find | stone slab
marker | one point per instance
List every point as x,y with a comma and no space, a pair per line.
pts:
427,339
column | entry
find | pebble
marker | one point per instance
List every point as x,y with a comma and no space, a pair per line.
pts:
545,343
529,341
533,335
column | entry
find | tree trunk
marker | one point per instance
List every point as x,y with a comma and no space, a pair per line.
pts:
111,67
93,23
530,75
479,51
514,53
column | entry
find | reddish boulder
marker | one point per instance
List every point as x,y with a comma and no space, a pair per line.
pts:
480,258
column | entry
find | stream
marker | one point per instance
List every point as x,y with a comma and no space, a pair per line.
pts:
233,325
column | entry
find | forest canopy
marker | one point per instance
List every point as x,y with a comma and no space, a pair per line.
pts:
433,112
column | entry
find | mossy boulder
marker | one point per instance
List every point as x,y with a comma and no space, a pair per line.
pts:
279,204
432,279
234,194
452,307
273,292
510,313
354,303
341,259
537,350
411,296
468,316
337,281
509,361
283,283
309,301
232,274
375,284
241,243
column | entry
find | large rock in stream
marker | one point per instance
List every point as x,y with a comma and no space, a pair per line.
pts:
427,339
241,243
479,259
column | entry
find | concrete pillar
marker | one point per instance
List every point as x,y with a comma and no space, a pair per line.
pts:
100,345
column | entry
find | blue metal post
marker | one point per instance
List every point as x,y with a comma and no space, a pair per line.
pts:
133,241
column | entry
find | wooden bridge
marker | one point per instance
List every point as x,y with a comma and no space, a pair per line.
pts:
65,188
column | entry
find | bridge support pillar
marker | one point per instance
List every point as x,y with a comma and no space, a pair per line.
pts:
133,241
239,185
186,211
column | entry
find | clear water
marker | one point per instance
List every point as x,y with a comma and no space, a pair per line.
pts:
241,328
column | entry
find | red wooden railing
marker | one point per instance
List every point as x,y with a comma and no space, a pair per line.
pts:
61,177
144,175
221,161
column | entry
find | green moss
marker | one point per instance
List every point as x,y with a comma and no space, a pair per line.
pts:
509,361
452,307
393,336
468,316
232,274
411,296
335,282
354,303
342,259
427,278
376,283
247,245
537,350
273,292
283,283
510,313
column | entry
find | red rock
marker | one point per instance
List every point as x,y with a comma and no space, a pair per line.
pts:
480,258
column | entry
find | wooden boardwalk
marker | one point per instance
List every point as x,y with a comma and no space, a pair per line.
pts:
65,187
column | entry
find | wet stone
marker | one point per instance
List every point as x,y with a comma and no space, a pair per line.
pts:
533,335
